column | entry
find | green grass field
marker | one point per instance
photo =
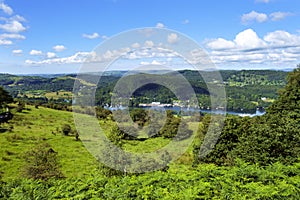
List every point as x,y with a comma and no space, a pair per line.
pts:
36,125
33,126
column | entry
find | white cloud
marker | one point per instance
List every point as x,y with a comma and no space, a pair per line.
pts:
35,52
278,47
148,44
8,10
13,26
77,58
50,55
5,42
17,51
276,16
92,57
160,25
154,62
91,36
282,39
18,18
12,36
254,16
173,38
59,48
220,43
136,45
248,39
5,38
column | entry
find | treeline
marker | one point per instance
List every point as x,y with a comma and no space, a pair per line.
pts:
273,137
245,89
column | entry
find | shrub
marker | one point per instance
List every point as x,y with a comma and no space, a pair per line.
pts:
66,129
42,163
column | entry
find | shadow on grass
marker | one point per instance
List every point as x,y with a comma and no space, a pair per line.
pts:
3,130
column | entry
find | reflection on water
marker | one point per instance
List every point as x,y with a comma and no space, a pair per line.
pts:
188,111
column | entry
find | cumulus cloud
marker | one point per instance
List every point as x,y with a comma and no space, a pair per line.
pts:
148,44
91,36
50,55
12,27
128,53
275,47
282,39
6,9
160,25
17,18
254,16
248,39
59,48
35,52
154,62
220,43
136,45
173,38
5,42
77,58
12,36
17,51
276,16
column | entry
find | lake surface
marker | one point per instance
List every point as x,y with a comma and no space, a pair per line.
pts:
186,110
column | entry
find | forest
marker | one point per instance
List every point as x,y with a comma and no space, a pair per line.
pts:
43,155
246,90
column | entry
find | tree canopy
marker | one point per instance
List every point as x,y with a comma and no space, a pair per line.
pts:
273,137
4,97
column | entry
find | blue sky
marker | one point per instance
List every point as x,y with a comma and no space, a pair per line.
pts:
43,36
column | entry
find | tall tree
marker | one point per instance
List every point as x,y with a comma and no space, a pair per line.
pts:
4,97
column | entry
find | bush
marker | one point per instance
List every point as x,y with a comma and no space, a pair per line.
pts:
66,129
42,163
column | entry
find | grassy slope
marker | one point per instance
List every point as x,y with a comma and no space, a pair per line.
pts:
35,125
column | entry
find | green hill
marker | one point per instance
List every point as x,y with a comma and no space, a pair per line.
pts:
34,126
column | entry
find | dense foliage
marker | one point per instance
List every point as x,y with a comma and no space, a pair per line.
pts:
267,139
42,163
243,181
5,98
246,90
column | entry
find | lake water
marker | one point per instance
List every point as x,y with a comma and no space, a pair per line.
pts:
187,110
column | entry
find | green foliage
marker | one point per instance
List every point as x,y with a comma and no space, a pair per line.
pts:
20,106
66,129
243,181
5,98
139,116
174,127
274,137
289,99
244,89
102,113
42,163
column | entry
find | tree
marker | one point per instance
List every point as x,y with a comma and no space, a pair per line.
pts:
5,98
139,116
20,107
66,129
274,137
42,163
